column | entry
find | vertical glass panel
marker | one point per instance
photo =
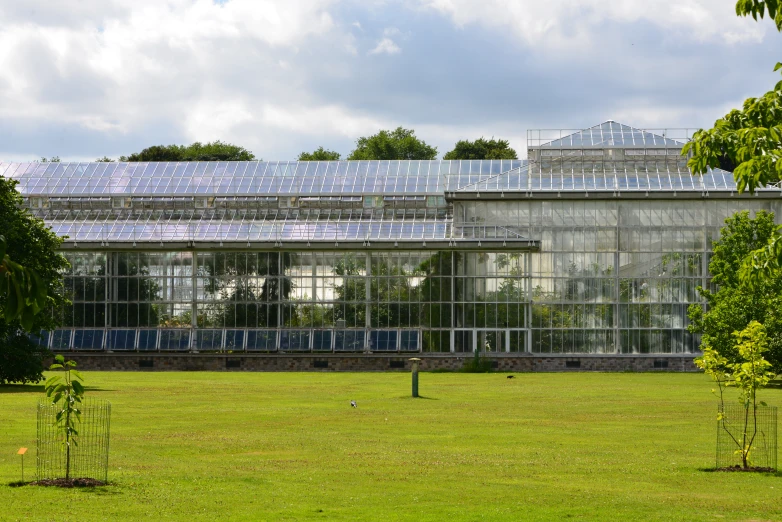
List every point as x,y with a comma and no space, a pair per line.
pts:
61,340
261,340
349,340
209,339
88,339
175,340
121,340
147,340
40,339
321,341
234,340
383,340
294,340
408,341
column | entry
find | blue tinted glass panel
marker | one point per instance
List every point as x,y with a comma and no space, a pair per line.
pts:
408,341
349,340
261,340
175,340
40,339
234,340
61,340
209,339
321,341
121,340
295,340
88,339
382,340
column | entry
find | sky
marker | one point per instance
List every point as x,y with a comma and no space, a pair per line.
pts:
82,79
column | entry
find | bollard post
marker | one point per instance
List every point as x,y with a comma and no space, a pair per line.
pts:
415,361
21,452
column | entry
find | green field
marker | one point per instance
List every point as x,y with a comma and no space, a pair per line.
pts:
288,446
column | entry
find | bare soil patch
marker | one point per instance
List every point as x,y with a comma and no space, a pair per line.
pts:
69,483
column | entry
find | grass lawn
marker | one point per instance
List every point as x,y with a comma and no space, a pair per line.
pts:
288,446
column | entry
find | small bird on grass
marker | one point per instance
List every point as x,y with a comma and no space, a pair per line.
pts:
510,376
353,403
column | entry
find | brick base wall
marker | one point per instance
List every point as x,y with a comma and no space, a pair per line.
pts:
375,362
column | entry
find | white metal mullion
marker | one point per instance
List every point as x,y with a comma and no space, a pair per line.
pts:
396,175
428,187
105,227
244,173
277,181
303,177
138,176
148,220
236,180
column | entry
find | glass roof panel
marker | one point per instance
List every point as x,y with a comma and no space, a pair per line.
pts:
353,178
610,134
11,169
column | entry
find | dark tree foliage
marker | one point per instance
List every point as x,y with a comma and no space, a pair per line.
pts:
734,304
435,287
399,144
213,151
128,312
481,149
244,304
33,245
759,8
21,360
725,163
351,292
133,295
320,154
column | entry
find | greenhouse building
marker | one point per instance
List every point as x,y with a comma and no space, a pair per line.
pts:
595,244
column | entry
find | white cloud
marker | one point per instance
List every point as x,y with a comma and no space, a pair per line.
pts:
199,66
386,46
280,76
318,120
573,23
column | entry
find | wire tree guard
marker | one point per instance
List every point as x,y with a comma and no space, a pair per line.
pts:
730,430
89,454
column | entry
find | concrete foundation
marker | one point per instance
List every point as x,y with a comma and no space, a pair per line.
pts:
375,362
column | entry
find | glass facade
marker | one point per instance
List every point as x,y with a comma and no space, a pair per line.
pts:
615,275
594,245
295,301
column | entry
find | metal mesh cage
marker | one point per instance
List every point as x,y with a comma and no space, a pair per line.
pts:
89,455
730,432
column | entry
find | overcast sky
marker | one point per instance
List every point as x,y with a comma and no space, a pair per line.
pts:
85,78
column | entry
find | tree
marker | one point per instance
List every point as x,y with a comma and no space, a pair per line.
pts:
32,245
751,138
481,149
104,159
748,374
735,303
213,151
67,393
22,288
399,144
320,154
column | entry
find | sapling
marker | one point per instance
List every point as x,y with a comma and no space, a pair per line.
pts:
748,375
66,392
